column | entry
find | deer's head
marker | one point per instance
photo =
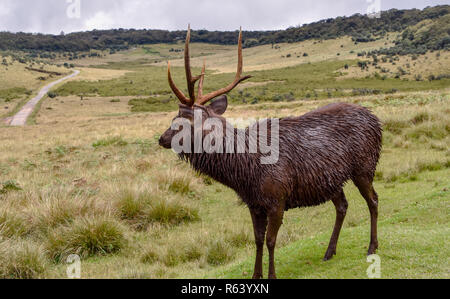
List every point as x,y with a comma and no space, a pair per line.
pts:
195,104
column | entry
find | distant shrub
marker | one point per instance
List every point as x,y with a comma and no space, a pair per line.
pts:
115,101
52,94
277,98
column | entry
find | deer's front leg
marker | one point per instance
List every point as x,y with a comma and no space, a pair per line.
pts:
275,220
259,219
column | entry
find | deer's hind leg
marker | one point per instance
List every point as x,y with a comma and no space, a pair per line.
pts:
340,203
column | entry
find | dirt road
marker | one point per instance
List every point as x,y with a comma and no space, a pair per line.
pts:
21,117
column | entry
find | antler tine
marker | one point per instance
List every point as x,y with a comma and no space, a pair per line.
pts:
200,83
183,99
187,64
190,80
205,99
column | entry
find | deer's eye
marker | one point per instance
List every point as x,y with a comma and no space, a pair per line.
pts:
181,122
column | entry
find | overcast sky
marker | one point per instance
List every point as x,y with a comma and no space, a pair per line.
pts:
54,16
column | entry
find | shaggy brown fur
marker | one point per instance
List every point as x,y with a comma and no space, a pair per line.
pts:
318,153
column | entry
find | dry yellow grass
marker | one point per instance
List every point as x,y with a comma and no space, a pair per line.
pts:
91,170
149,54
15,75
265,57
222,58
67,183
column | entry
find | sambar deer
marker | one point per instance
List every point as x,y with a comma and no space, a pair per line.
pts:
318,153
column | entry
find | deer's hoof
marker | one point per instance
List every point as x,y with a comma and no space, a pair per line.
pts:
272,276
329,254
372,249
257,276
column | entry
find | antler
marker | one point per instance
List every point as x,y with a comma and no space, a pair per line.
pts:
203,99
183,99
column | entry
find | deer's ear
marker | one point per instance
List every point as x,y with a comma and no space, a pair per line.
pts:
186,112
219,105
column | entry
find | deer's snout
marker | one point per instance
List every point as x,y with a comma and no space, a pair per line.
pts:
166,140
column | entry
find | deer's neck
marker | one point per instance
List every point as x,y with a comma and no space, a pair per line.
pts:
231,169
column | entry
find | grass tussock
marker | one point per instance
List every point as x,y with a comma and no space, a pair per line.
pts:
21,260
12,224
411,173
150,256
171,211
9,186
239,237
142,208
203,249
177,183
408,129
86,237
219,253
176,251
50,209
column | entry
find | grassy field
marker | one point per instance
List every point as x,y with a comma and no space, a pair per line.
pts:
88,176
18,83
93,181
288,77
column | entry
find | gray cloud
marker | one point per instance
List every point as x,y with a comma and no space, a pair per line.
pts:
50,16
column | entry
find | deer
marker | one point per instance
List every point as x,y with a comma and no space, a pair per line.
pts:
318,153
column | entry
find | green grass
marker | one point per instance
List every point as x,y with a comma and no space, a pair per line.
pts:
413,244
133,210
153,104
90,178
141,209
110,141
307,81
13,93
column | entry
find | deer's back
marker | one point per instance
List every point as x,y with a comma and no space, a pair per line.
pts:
323,149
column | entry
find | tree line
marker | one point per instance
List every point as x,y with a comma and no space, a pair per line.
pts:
361,27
